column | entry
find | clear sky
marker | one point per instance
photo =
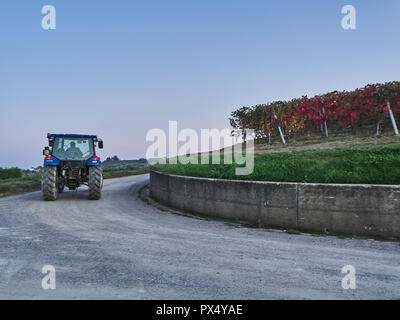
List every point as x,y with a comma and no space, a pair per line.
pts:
119,68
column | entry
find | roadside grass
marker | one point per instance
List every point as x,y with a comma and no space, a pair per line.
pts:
123,172
32,182
348,165
293,232
13,186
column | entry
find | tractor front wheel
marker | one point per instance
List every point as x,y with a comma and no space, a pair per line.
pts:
95,182
49,183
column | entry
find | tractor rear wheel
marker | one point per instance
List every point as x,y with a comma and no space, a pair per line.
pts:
49,183
95,182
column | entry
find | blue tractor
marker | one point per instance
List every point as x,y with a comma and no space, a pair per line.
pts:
71,161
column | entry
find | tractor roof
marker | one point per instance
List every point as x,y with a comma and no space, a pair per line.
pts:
73,135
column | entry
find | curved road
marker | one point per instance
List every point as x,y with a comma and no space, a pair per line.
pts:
122,248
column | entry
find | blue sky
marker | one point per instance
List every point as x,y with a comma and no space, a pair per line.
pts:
120,68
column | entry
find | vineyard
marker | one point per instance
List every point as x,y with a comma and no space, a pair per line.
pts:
368,110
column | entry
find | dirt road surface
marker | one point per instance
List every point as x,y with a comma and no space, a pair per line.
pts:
122,248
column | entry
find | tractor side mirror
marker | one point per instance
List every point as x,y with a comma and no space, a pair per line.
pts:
46,151
100,144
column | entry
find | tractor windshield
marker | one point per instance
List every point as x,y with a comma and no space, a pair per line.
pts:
72,148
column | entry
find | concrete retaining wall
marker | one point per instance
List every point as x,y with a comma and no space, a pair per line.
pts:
364,210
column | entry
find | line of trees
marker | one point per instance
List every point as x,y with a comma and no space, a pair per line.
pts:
329,112
10,173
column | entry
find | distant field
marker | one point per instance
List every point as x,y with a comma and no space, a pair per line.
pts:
27,183
123,172
363,164
32,182
115,163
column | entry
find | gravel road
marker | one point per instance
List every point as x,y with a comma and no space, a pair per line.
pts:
122,248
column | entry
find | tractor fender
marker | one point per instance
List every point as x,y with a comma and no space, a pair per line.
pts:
93,161
51,161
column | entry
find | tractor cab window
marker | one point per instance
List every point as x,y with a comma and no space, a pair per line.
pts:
68,148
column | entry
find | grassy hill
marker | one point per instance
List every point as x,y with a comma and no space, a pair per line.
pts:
347,159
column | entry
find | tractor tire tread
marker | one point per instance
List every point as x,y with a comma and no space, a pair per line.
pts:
95,182
49,183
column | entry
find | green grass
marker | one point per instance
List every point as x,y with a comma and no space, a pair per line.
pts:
27,183
9,173
123,172
349,165
23,179
293,232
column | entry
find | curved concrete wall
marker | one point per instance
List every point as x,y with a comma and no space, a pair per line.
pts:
364,210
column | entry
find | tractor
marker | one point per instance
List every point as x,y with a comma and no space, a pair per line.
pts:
71,161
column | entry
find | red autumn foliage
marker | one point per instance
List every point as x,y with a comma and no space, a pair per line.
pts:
343,109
